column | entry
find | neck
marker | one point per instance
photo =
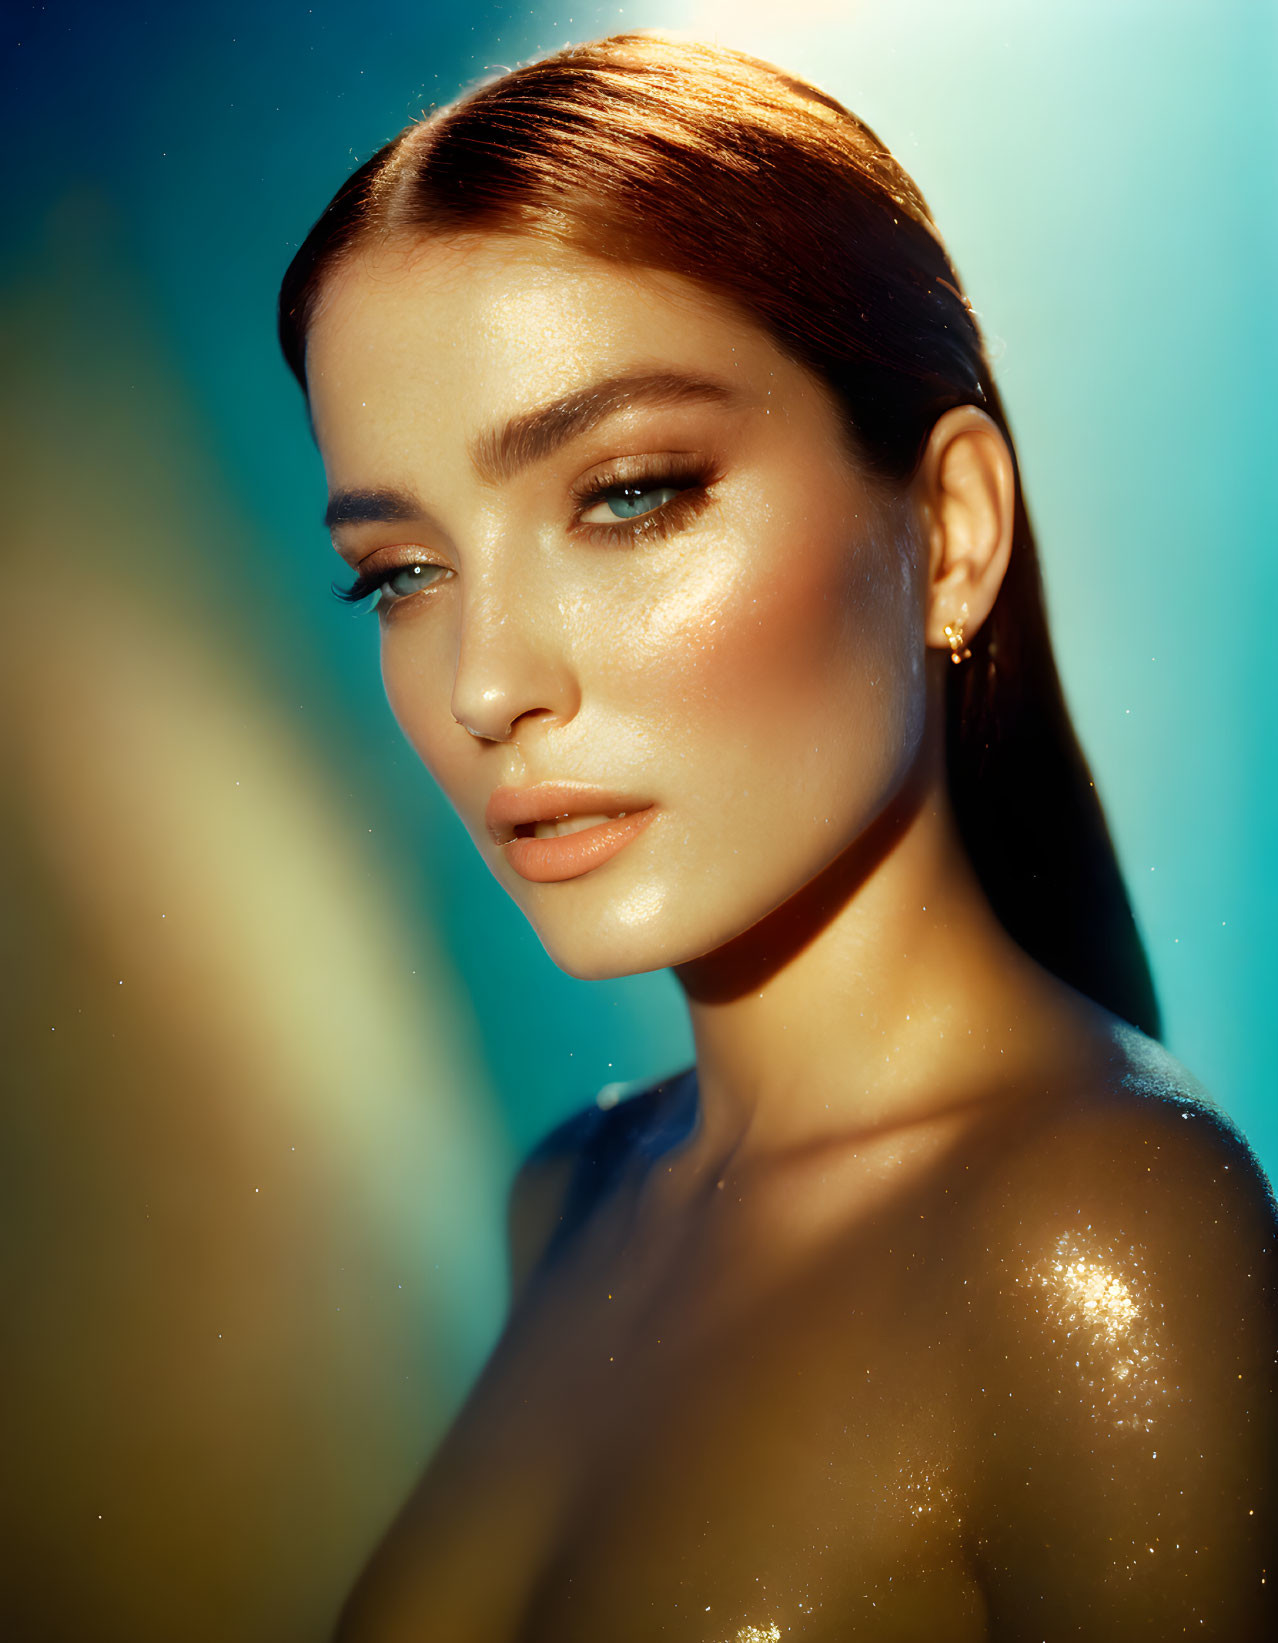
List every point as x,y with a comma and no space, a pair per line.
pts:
884,994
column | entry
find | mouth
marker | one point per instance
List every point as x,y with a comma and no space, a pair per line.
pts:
559,831
562,826
554,809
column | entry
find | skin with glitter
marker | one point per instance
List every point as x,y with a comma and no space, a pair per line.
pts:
939,1303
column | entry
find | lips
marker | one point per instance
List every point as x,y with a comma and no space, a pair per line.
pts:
606,823
512,808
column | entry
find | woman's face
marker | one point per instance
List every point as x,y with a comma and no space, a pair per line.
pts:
673,587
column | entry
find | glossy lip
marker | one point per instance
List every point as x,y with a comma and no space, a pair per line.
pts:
547,861
512,807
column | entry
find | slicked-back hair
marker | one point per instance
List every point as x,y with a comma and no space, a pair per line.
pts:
673,154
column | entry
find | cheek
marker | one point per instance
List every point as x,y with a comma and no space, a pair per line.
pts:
808,653
417,680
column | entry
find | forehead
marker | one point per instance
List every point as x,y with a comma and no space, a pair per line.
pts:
471,328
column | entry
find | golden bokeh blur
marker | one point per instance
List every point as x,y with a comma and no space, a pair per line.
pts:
253,1169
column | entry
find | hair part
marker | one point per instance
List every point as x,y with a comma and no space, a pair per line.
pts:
674,154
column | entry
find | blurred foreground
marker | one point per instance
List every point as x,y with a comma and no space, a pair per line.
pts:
252,1176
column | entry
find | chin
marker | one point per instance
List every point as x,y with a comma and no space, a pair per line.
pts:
606,955
634,934
627,936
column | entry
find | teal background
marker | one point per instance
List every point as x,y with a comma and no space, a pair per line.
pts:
1103,175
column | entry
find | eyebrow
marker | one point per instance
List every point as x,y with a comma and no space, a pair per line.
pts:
359,507
499,454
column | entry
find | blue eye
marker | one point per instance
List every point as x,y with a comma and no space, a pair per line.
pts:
633,500
415,577
642,506
645,506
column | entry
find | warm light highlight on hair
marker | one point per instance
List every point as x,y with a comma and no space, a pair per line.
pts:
699,160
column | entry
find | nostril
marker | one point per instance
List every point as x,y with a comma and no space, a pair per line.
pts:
507,684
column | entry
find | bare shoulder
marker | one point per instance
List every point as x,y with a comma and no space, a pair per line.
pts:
1132,1169
1133,1143
571,1164
538,1194
1120,1283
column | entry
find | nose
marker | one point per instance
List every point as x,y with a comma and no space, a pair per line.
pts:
512,664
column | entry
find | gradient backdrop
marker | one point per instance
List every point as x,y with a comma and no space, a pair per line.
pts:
275,1039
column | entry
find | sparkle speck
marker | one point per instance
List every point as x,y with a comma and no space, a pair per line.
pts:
1092,1296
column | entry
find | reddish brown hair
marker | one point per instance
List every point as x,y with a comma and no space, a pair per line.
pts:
702,161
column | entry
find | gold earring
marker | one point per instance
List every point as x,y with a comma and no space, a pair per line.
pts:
959,652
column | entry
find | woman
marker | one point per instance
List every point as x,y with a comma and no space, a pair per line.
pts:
936,1300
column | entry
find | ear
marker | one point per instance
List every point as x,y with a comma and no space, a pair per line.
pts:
965,491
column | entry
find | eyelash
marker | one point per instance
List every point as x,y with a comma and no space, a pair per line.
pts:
690,480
